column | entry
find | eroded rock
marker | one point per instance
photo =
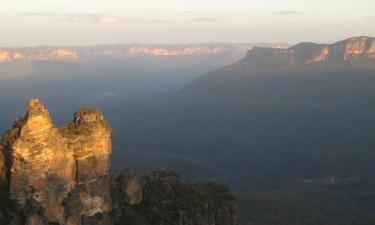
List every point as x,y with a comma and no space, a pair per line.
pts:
61,176
2,168
131,186
49,165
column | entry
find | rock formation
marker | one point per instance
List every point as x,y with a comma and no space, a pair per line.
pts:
131,186
144,51
49,54
59,175
356,53
321,56
2,169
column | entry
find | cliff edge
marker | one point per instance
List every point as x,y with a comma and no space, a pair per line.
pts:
58,175
61,176
357,53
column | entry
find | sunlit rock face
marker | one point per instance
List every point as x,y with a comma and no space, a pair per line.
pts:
54,54
90,139
59,175
357,53
2,168
147,51
321,56
4,56
43,166
355,47
49,54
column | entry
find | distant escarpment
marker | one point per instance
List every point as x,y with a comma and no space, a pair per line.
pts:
350,54
40,54
55,53
61,176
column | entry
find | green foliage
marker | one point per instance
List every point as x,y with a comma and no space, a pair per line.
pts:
266,131
260,128
215,195
165,198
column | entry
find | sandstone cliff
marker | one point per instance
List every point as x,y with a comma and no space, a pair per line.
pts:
61,176
357,53
50,53
58,175
2,169
41,54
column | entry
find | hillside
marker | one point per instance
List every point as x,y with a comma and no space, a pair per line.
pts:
102,75
16,63
301,115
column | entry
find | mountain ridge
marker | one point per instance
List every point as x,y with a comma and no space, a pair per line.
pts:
265,118
49,53
352,53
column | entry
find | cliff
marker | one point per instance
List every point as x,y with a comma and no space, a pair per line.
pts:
56,53
40,54
2,169
58,175
61,176
357,53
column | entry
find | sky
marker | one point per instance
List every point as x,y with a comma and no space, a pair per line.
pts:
89,22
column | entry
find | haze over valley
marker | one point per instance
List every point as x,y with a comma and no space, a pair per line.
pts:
240,112
107,74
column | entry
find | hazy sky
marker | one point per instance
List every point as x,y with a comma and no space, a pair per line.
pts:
78,22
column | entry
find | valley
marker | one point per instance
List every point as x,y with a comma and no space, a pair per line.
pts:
281,126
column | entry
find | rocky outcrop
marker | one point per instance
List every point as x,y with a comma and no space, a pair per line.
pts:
43,54
2,169
166,199
145,51
321,56
356,53
355,46
4,56
59,175
131,186
80,54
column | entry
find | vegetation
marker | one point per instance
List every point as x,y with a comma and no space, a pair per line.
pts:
266,132
166,198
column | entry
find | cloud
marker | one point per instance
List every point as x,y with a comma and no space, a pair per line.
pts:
145,20
93,18
286,13
205,20
36,14
97,18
